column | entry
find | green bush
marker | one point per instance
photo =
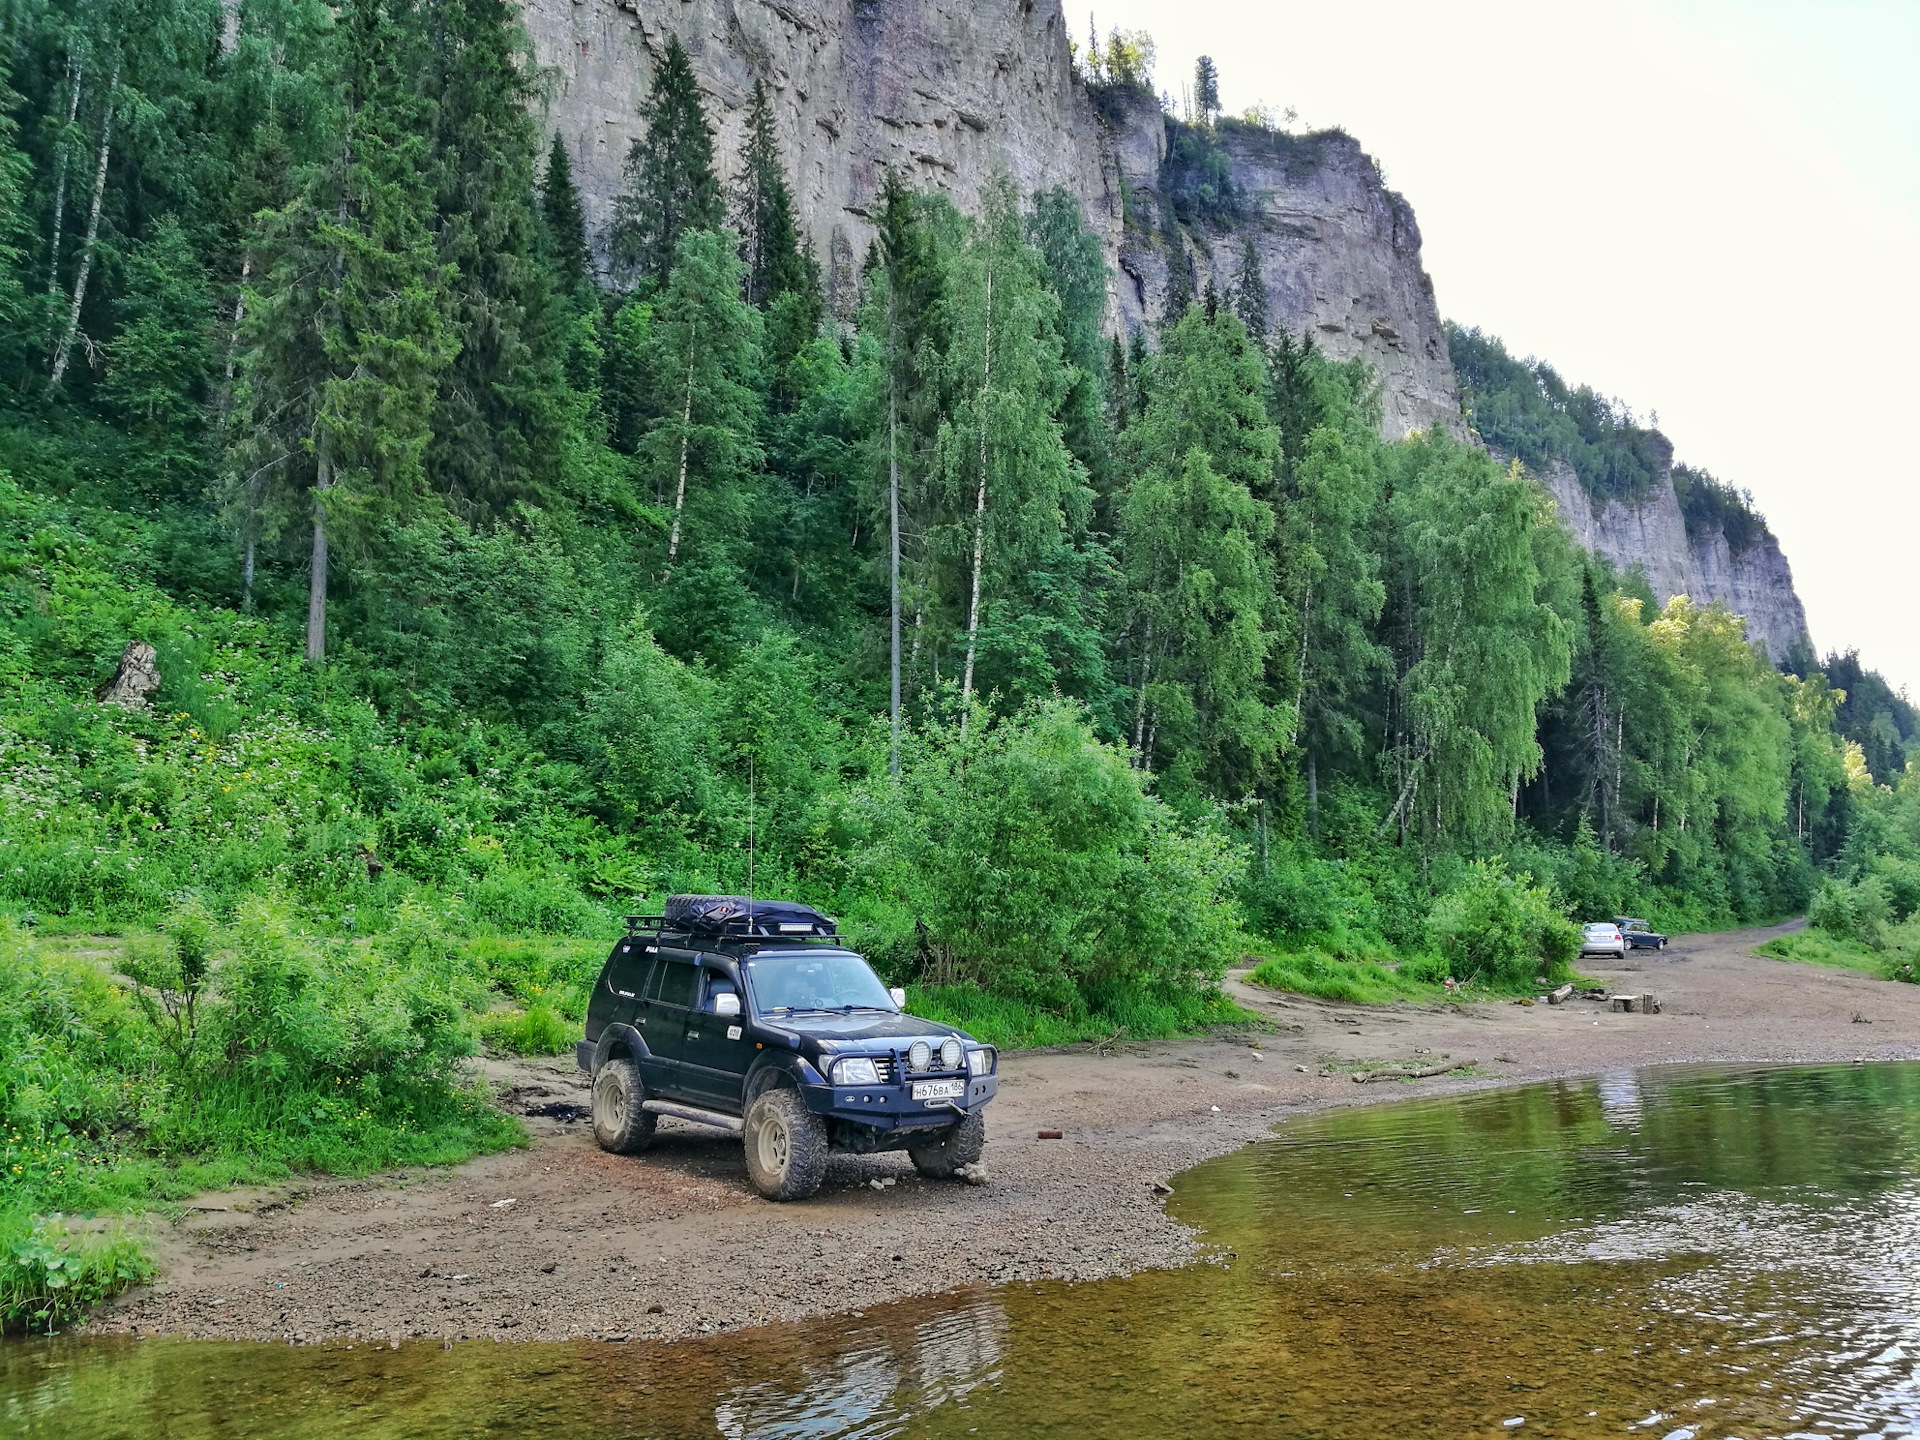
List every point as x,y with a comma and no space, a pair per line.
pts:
1028,859
1901,882
1856,912
51,1275
1300,898
1503,930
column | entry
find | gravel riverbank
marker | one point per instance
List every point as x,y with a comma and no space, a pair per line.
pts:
559,1240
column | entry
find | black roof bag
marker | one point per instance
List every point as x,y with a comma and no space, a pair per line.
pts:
739,915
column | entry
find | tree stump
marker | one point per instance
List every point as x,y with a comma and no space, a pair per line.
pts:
137,677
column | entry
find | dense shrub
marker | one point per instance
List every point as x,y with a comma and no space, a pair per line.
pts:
1856,912
1503,929
1027,858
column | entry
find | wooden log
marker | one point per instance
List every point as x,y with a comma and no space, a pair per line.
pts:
1362,1077
1560,996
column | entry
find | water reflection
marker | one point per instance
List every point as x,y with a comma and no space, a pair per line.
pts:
871,1388
1720,1253
1620,1098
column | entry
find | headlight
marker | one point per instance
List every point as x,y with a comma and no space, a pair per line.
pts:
856,1070
980,1062
951,1054
920,1056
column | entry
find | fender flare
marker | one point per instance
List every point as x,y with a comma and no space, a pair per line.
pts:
775,1068
615,1035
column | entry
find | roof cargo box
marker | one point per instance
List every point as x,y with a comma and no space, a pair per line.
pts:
738,915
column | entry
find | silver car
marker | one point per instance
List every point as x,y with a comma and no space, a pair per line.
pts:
1602,938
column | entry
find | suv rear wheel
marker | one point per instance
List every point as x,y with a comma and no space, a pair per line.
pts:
619,1124
786,1146
960,1145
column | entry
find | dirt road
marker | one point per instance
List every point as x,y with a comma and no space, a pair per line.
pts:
561,1240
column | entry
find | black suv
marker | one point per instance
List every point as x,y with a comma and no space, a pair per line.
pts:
750,1016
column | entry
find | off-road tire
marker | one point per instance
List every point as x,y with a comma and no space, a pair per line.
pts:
619,1124
959,1145
786,1145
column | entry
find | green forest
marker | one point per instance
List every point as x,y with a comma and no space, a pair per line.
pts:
501,579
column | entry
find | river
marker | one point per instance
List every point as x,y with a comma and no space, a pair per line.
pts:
1691,1251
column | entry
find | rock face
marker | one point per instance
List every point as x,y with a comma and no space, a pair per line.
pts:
1339,253
1651,533
950,96
946,95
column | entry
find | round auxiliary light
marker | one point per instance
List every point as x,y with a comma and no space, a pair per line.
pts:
920,1057
951,1054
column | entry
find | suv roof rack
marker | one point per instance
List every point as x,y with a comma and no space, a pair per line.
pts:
733,917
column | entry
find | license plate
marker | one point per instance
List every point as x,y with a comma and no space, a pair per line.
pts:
939,1089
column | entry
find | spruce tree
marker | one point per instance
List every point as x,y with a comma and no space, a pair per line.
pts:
671,190
1331,576
497,425
350,336
566,224
1206,617
160,366
909,316
1250,292
769,242
14,175
1206,89
1076,272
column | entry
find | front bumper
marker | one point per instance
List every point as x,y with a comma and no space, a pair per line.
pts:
892,1107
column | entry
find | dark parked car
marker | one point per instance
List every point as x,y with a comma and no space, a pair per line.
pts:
1639,935
752,1017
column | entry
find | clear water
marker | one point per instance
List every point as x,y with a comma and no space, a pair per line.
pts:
1690,1252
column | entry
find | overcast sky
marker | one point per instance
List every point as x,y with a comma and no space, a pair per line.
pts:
1709,209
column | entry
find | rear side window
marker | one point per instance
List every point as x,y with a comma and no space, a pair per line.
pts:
629,970
677,983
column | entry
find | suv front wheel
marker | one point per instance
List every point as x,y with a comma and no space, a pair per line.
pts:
619,1124
786,1146
959,1145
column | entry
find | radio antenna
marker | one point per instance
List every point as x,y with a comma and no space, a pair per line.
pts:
749,844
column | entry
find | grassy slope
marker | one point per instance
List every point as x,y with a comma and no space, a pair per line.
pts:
1899,960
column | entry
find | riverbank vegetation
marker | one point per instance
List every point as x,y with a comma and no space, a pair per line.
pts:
399,583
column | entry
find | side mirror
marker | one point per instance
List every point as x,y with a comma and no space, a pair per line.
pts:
726,1005
899,996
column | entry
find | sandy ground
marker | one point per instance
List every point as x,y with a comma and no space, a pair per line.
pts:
560,1240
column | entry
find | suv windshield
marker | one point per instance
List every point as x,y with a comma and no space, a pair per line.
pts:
815,981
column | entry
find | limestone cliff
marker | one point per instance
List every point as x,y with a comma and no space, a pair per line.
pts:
1651,533
949,96
1339,252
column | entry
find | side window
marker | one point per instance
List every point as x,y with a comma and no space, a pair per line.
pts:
630,969
676,982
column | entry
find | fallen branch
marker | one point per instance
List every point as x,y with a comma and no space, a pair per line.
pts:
1362,1077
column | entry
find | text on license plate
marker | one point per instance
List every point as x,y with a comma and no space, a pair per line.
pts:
939,1089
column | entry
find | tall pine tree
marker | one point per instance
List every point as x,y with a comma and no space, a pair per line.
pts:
671,190
349,335
769,242
1196,532
497,424
566,224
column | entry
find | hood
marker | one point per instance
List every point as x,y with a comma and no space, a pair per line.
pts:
865,1025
